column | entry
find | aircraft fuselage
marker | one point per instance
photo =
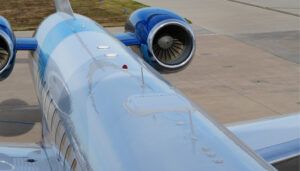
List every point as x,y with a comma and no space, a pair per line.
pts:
105,109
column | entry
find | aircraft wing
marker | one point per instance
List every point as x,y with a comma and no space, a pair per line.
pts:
23,157
274,139
27,157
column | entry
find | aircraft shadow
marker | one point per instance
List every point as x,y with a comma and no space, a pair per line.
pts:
17,117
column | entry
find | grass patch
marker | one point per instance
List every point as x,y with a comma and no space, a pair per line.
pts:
28,14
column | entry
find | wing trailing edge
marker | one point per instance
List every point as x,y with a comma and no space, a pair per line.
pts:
274,139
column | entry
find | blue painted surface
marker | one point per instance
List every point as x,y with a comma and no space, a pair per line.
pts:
274,139
129,39
281,151
143,20
145,23
5,26
7,32
60,32
26,44
124,119
147,57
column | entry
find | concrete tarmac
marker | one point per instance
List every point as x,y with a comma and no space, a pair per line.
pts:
246,67
230,17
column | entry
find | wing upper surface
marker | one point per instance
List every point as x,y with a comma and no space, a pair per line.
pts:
274,139
25,157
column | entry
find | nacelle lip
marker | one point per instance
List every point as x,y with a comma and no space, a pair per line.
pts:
163,24
10,50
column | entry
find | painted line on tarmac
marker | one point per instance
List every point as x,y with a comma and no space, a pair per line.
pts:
266,8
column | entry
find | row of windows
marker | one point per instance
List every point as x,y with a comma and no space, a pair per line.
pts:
56,128
58,135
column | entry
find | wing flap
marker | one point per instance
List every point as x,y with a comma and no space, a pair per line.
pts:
281,151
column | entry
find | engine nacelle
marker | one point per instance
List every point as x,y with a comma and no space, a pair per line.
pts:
167,40
7,49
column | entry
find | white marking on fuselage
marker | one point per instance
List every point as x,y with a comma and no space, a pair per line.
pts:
103,47
111,55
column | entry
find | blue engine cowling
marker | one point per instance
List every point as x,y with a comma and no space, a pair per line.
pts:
167,40
7,49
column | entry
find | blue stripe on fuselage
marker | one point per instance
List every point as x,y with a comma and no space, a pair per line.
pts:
60,32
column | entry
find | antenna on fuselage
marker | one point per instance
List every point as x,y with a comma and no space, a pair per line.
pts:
143,79
64,6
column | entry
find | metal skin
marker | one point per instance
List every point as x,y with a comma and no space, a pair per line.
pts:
13,45
145,23
271,138
142,21
26,44
8,37
117,112
129,39
159,26
104,108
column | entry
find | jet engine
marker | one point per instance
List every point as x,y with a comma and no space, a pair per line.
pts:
167,40
7,49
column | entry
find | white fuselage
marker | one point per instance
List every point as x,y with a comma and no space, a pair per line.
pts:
105,109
